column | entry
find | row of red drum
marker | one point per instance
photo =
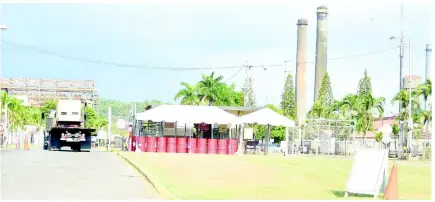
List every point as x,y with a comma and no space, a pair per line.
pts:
184,145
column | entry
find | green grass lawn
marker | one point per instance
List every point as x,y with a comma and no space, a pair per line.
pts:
271,177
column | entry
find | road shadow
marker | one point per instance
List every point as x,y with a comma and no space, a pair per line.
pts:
340,194
61,150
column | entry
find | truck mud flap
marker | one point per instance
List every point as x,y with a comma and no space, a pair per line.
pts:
86,145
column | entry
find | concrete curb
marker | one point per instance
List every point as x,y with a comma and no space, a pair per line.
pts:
161,189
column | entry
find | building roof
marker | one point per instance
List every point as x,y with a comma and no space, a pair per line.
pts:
239,111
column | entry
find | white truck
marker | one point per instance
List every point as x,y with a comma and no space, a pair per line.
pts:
65,127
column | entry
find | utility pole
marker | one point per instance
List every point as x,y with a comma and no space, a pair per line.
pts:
109,127
2,28
402,48
5,124
428,70
248,92
410,124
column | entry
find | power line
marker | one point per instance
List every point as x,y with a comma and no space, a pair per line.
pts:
171,68
112,63
235,74
364,54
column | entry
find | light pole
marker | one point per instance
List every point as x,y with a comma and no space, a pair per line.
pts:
2,28
410,124
401,39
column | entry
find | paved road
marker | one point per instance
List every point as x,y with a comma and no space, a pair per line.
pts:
43,175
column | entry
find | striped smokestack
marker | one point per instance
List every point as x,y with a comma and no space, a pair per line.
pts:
321,48
301,56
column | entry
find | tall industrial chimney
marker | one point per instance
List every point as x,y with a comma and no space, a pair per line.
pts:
301,69
321,48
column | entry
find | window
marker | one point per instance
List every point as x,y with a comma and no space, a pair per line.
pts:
63,113
75,113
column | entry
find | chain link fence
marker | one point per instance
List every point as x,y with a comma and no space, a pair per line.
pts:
323,137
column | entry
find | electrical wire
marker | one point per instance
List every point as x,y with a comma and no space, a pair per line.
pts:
173,68
235,74
112,63
364,54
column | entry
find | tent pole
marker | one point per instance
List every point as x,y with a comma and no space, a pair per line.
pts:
175,128
229,134
286,142
266,145
190,138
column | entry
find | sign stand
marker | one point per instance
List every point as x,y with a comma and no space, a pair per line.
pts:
369,173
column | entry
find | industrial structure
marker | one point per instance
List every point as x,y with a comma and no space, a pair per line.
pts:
412,81
321,48
35,91
301,69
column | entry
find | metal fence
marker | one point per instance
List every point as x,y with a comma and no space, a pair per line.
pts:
323,137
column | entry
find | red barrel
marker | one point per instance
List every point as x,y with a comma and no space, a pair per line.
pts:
212,146
233,144
161,144
133,143
151,144
202,146
181,145
191,145
171,145
142,143
222,146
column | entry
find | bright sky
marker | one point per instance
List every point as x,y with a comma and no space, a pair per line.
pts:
209,35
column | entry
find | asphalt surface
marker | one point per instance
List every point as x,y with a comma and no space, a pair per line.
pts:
95,175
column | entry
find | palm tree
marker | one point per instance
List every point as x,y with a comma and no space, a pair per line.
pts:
395,131
403,98
189,94
425,89
368,108
349,106
209,88
318,110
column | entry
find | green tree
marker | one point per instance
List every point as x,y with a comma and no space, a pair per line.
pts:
378,136
425,89
93,120
364,85
324,105
228,96
288,98
369,107
189,94
326,96
402,97
16,111
209,87
395,131
47,107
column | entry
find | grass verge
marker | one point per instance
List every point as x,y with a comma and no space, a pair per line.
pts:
154,181
267,177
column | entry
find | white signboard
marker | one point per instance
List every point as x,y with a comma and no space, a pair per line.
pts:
369,172
248,134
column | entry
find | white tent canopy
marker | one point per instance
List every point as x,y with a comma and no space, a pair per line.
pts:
267,116
187,114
